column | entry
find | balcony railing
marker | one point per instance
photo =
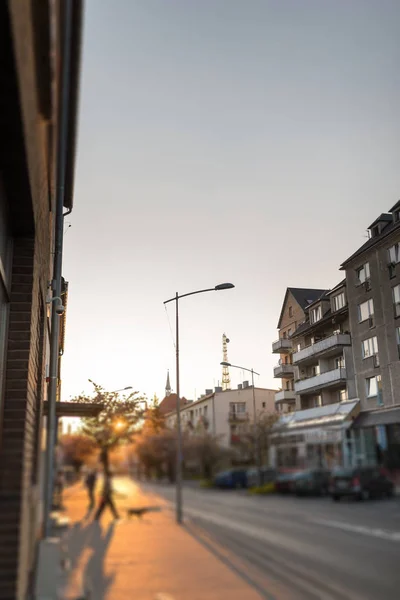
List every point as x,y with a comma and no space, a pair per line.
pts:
323,346
285,396
284,370
322,380
282,346
238,416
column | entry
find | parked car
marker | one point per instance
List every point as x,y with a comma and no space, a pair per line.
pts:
231,479
360,482
261,476
285,481
312,482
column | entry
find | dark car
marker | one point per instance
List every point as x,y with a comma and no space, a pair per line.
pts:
231,479
312,482
360,482
285,481
261,476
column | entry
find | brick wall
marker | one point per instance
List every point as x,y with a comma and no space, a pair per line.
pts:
20,424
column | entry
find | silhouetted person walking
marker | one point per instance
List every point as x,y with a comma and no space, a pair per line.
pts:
90,483
106,499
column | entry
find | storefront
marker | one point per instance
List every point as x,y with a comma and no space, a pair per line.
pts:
316,438
377,435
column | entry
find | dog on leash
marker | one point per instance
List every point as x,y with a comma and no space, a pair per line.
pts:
140,512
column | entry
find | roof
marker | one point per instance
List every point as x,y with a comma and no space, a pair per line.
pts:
378,417
73,99
384,217
395,207
328,316
390,228
75,409
323,296
337,287
168,404
303,297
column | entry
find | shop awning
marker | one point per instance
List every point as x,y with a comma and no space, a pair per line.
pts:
331,415
74,409
372,418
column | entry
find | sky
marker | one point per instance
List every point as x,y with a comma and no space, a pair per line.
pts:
243,141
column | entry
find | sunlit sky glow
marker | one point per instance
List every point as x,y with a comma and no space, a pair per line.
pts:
220,140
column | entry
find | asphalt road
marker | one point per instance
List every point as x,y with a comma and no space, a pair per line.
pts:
300,548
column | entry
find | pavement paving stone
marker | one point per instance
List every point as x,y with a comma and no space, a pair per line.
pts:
148,558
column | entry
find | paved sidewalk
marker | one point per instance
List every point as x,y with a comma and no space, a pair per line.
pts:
143,559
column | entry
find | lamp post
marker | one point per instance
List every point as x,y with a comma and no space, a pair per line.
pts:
176,298
256,444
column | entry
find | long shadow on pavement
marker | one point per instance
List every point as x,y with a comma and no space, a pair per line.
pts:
87,545
96,581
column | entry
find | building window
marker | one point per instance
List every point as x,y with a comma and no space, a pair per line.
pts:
373,386
316,314
263,404
315,371
290,311
205,411
339,362
238,407
365,310
343,395
394,253
339,302
363,273
396,300
370,347
289,333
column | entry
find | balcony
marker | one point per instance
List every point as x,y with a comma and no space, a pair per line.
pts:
283,370
323,380
324,347
285,396
282,346
235,417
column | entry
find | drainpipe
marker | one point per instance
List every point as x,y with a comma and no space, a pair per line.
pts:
57,266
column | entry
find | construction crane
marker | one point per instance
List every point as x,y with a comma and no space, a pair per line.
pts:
226,378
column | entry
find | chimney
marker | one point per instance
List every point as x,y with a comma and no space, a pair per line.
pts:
245,384
239,386
218,389
208,392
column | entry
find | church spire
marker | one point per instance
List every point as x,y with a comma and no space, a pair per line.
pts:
168,386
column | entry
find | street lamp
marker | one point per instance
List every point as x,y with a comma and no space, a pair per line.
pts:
176,298
256,445
128,387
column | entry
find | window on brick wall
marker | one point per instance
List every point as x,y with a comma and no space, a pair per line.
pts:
290,311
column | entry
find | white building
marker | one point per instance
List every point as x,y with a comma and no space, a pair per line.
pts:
225,414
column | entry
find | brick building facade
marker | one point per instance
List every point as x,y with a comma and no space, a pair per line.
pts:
30,34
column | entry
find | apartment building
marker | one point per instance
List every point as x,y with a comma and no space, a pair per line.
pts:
228,414
292,314
373,291
317,433
322,352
